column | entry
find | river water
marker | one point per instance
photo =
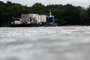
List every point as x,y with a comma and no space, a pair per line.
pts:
45,43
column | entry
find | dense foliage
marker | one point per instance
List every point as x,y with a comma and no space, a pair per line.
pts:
64,14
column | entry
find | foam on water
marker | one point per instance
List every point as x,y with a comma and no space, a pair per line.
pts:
45,43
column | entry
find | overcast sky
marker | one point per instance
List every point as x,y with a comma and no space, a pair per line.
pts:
83,3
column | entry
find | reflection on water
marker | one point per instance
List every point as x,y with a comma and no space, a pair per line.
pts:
45,43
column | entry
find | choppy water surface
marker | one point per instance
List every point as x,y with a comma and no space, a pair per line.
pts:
45,43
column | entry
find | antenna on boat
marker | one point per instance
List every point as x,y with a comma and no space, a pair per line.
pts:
50,13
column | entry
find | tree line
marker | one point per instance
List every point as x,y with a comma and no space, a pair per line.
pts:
64,14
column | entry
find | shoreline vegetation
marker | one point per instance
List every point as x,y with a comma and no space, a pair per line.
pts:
27,25
65,15
22,25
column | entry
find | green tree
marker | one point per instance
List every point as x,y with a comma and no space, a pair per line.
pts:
38,8
88,14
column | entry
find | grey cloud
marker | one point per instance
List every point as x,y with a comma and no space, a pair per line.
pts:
83,3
